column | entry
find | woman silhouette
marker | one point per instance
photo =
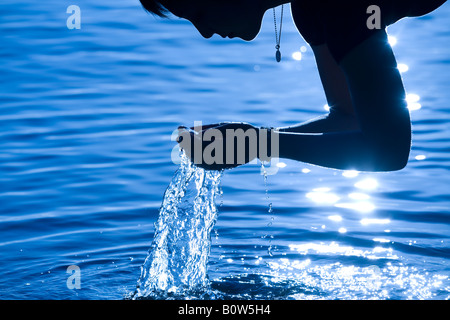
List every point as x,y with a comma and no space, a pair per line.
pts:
368,127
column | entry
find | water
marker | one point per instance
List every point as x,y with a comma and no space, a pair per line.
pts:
177,264
86,122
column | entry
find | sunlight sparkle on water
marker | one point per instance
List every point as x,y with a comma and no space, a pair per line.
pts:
322,195
363,206
281,165
402,67
350,173
412,97
358,196
297,55
367,184
342,230
413,101
414,106
367,221
392,40
334,248
373,281
382,240
335,218
420,157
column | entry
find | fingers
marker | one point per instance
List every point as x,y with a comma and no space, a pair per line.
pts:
202,128
209,126
219,125
183,133
216,167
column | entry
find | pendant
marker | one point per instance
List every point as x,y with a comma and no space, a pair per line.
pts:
278,55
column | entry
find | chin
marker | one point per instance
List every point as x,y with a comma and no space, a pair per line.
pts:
250,35
253,32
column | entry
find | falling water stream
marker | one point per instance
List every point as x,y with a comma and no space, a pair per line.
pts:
176,265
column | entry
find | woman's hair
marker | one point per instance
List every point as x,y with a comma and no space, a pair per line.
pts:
155,7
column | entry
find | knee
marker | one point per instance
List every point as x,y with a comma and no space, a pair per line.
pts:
396,161
392,154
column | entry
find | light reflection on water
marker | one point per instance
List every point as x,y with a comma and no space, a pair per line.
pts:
355,282
334,248
380,274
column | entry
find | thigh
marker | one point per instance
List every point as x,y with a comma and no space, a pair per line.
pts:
333,81
309,20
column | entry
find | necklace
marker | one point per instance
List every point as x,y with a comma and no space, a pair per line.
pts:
278,35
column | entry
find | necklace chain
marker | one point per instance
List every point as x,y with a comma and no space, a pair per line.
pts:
278,35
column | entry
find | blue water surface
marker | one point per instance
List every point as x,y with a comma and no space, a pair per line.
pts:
86,123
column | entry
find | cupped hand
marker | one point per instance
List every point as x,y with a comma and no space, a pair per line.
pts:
219,146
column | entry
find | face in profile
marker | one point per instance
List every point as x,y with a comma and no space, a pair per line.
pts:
227,18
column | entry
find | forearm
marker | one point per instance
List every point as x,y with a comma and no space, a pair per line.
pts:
341,150
335,121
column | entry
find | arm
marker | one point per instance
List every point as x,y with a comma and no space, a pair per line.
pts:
383,141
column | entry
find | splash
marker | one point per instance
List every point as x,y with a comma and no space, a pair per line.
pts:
176,265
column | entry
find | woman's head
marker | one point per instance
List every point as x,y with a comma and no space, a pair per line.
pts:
228,18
